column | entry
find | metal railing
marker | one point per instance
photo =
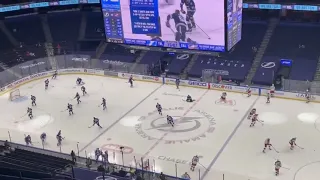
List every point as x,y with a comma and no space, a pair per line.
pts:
301,86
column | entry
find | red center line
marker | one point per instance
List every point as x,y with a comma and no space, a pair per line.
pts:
164,135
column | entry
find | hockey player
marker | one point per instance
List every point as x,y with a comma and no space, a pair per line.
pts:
69,107
104,104
159,108
43,137
46,82
97,154
308,96
54,75
28,141
267,144
223,96
194,162
272,90
79,81
252,112
185,176
254,120
277,165
189,99
131,81
177,83
191,10
96,122
268,98
248,91
33,100
105,156
170,120
29,112
180,25
77,96
83,89
59,138
292,143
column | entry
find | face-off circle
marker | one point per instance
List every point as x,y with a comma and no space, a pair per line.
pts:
227,102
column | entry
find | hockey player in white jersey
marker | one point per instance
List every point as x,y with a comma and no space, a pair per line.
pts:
170,120
248,91
292,143
194,162
272,90
223,96
268,98
277,165
267,143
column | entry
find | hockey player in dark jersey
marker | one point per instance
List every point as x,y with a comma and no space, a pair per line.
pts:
191,10
180,25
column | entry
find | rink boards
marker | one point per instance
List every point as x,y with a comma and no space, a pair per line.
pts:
163,80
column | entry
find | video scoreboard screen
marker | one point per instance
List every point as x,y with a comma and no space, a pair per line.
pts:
204,25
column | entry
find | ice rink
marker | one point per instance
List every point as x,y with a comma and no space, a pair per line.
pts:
218,132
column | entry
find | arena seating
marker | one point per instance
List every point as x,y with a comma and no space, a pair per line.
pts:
178,63
266,71
70,21
95,26
4,43
26,29
21,163
292,40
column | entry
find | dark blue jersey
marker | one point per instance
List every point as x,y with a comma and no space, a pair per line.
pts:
191,6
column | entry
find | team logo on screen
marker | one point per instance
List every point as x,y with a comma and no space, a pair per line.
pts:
194,126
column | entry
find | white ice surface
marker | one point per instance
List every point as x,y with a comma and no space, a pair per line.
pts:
129,119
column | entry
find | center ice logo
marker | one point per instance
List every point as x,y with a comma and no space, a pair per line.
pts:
192,127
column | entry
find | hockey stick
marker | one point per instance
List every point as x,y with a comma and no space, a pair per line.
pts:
91,126
285,168
260,122
64,110
274,149
203,31
203,166
300,147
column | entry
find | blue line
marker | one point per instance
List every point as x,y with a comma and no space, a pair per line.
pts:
113,124
227,141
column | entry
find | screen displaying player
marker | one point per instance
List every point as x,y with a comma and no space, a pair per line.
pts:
186,24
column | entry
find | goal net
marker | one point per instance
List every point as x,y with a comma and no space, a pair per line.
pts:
14,94
211,75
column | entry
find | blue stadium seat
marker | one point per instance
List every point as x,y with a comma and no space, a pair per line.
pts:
64,26
95,26
26,29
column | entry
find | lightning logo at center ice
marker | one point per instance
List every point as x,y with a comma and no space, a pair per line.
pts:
181,120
